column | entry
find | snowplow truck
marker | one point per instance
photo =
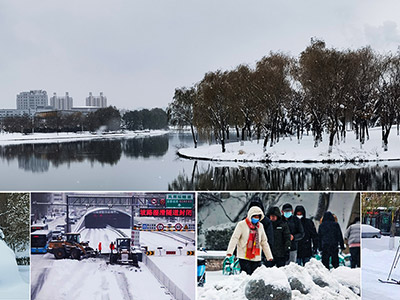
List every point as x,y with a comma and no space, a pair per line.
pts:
123,253
70,247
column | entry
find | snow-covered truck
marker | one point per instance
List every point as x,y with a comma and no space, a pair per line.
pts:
124,254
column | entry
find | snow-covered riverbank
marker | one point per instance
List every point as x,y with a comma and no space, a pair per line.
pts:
19,138
288,150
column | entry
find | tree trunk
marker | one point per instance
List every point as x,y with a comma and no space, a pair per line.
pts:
331,139
223,141
193,136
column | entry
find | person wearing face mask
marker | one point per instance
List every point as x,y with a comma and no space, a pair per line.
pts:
296,230
281,247
267,224
249,238
308,245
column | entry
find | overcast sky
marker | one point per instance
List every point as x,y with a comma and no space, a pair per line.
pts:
138,52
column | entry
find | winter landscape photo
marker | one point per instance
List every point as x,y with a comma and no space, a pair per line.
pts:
279,246
14,246
113,246
179,95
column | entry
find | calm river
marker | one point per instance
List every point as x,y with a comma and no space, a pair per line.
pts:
151,163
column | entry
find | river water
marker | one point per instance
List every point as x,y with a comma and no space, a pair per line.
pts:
151,163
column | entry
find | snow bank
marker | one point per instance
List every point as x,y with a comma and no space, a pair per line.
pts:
12,286
313,281
376,262
288,150
19,138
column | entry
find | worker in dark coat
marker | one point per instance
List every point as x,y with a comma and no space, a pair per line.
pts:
308,245
330,238
281,247
269,231
296,230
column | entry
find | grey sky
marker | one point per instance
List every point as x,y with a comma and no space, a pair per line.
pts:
138,52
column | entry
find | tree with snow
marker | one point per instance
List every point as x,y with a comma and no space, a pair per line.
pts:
14,219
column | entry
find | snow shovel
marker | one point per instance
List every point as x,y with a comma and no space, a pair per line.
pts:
394,265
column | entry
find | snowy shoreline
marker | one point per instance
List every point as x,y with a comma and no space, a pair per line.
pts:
288,150
19,138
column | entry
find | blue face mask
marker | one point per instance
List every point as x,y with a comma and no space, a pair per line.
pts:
287,214
254,220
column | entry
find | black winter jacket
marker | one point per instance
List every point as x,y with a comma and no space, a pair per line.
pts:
309,242
329,233
296,229
281,234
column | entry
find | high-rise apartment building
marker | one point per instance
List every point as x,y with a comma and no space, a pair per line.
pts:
61,102
99,101
32,99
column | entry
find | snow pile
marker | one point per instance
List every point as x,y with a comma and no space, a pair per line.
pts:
345,276
288,150
313,281
12,285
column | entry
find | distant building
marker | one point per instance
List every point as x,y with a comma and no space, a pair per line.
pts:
85,109
5,113
99,101
32,100
61,102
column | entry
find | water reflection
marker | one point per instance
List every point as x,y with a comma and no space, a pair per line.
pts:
211,177
147,147
39,157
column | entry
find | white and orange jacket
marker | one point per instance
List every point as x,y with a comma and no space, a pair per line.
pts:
241,235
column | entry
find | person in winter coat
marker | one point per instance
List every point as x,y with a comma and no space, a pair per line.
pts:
281,247
249,238
269,231
330,238
296,230
308,245
112,247
352,236
99,247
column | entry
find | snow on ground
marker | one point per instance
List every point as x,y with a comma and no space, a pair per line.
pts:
91,279
288,150
376,262
232,287
96,235
181,270
25,272
19,138
167,240
12,284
